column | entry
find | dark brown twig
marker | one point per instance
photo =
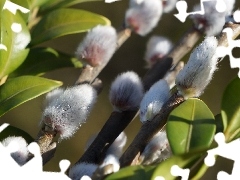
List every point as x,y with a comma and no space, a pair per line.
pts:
116,119
119,121
148,130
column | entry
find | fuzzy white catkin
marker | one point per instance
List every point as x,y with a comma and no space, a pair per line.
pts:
68,109
82,169
117,146
98,46
21,153
212,21
168,5
113,160
157,47
197,73
126,91
143,15
153,100
53,95
157,149
229,6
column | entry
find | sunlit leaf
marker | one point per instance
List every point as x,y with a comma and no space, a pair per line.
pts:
133,173
14,38
14,131
164,168
231,110
63,22
54,4
21,89
190,127
41,60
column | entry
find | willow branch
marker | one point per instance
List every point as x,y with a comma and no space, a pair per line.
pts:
148,130
107,135
89,74
185,44
119,121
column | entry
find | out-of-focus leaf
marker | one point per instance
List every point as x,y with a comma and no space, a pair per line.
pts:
230,110
63,22
37,3
133,173
24,4
164,168
14,131
219,123
14,38
54,4
190,127
21,89
41,60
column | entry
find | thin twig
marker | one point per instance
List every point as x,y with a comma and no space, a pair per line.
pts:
148,130
186,43
89,74
119,121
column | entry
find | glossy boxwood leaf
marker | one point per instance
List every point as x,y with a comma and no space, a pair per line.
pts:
230,110
164,168
54,4
21,89
12,51
62,22
133,173
14,131
41,60
190,127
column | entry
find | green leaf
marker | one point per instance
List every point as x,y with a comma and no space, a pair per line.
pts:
24,4
14,131
41,60
12,51
164,168
55,4
63,22
2,4
133,173
230,110
21,89
37,3
219,123
190,127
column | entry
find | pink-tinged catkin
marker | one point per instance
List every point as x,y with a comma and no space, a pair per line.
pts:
98,46
126,92
143,15
197,73
168,5
20,155
212,21
66,110
157,47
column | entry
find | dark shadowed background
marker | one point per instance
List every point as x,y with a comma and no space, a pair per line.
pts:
128,57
